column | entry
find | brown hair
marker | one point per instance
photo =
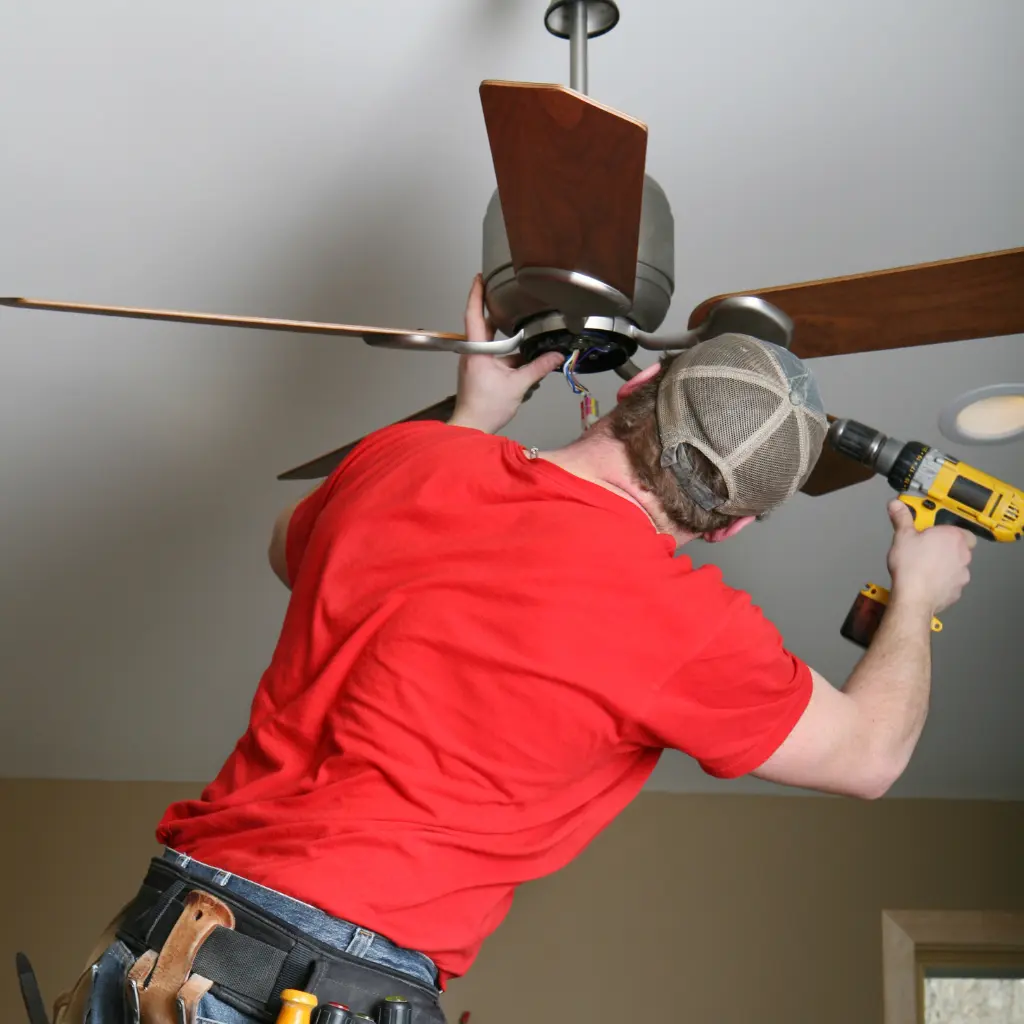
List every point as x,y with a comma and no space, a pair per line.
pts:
634,422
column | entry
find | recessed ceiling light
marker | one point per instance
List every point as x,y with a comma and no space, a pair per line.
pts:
989,415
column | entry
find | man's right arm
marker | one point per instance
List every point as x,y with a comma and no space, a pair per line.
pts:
857,741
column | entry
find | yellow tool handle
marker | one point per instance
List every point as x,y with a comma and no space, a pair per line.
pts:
296,1006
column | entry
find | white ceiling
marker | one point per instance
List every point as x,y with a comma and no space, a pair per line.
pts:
328,160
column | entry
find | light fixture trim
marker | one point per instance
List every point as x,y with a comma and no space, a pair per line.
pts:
949,418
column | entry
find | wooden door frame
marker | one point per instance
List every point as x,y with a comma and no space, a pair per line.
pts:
908,936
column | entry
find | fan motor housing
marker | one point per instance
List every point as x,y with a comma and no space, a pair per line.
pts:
511,307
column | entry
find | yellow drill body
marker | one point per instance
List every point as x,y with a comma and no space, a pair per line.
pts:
961,495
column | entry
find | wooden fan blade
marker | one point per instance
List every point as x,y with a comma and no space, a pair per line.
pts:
833,472
320,467
570,175
372,335
325,464
978,296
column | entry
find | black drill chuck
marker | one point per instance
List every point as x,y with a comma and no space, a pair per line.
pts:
856,441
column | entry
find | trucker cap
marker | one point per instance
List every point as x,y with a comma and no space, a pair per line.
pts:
753,409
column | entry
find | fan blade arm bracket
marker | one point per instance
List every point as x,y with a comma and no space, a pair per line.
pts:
410,341
734,314
494,347
665,342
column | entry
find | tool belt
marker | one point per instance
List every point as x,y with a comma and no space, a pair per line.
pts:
191,938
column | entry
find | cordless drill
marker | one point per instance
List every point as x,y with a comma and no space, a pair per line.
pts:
939,491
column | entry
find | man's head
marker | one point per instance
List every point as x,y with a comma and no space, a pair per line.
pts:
726,431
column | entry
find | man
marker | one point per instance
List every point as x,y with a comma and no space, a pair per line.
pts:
485,651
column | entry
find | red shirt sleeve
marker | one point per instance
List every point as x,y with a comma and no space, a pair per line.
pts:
732,704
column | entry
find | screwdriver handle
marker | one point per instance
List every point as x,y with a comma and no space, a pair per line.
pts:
296,1006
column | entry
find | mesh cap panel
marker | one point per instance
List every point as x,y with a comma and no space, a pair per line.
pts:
753,410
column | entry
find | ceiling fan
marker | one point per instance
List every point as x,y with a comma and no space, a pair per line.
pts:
578,257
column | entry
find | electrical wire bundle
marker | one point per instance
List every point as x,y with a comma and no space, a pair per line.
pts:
568,371
589,413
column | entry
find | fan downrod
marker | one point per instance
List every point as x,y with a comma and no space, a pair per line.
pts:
578,21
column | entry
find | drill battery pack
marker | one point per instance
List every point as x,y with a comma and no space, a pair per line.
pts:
865,615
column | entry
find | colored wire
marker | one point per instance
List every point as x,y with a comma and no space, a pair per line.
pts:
568,368
589,413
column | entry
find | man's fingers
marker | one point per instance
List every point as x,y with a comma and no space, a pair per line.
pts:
478,325
971,540
534,372
900,516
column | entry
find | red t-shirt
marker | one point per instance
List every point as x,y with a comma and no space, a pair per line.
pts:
481,661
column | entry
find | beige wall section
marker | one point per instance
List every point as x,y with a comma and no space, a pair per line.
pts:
707,908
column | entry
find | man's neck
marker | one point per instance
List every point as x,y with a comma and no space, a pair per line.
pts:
597,456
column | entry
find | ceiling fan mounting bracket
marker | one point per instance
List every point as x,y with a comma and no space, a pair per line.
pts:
604,342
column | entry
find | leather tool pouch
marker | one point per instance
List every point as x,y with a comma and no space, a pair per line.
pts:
160,987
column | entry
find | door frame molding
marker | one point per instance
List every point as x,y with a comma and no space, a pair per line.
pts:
909,936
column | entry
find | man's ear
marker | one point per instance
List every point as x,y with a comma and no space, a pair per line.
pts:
725,532
641,378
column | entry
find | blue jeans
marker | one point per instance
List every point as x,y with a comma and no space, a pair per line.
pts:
105,1004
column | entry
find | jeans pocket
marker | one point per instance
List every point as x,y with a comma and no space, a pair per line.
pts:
98,995
212,1010
108,1002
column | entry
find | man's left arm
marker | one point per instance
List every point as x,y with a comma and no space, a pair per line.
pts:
490,391
278,550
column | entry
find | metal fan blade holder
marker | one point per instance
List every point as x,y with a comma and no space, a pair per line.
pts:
548,309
